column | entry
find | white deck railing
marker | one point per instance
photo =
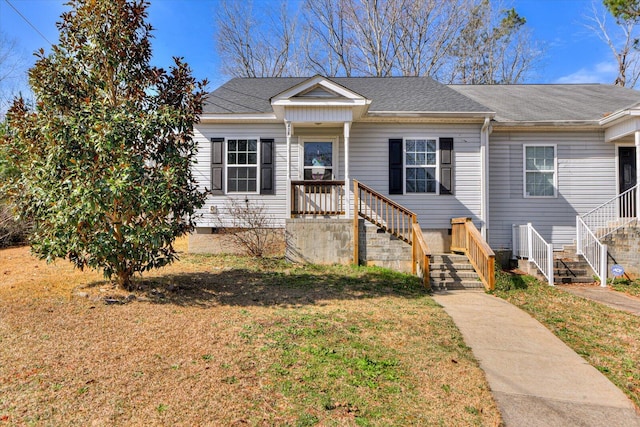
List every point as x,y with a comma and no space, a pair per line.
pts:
612,214
528,243
599,223
594,251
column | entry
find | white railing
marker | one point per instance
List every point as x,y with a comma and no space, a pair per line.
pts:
612,214
594,251
528,243
599,223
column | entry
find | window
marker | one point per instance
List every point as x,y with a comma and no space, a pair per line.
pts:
540,172
242,165
318,161
420,165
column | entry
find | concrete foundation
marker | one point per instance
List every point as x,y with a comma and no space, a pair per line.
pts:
319,241
207,240
624,249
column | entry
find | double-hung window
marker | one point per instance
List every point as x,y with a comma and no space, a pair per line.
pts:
421,164
540,171
242,165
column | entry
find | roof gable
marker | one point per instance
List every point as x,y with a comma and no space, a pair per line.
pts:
316,90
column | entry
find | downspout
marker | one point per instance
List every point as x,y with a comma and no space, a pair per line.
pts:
484,180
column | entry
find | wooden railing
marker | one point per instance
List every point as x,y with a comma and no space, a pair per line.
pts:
317,197
394,219
383,212
466,238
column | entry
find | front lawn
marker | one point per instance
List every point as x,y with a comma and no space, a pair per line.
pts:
216,340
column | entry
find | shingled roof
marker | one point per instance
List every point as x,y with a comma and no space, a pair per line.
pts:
388,94
511,103
551,103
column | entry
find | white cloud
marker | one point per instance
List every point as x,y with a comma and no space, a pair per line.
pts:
602,72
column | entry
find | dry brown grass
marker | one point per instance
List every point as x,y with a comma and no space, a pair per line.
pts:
230,341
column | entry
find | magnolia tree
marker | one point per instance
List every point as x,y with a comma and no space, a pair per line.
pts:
104,155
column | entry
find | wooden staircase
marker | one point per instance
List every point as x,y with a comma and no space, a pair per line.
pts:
453,271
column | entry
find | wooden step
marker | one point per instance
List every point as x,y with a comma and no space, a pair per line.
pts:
453,271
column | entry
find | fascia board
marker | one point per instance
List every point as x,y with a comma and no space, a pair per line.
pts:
238,116
320,102
401,114
618,116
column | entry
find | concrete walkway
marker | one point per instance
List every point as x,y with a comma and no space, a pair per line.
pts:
605,296
535,378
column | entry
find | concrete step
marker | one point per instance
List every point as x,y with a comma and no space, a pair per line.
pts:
566,272
565,280
453,274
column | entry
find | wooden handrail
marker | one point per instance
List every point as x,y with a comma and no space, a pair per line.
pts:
317,197
383,212
396,220
466,238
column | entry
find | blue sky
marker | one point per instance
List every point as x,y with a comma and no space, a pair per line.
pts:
186,28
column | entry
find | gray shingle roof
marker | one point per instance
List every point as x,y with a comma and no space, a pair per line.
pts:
540,103
511,103
415,94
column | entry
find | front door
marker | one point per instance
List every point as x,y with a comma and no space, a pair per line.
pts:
319,161
627,179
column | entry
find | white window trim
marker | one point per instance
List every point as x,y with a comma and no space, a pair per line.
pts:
555,171
335,155
404,165
227,166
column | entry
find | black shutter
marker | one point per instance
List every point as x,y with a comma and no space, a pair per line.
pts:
396,175
217,166
267,168
446,165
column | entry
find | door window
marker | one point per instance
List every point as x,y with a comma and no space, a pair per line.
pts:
318,161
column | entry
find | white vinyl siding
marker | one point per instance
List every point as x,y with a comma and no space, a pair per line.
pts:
369,153
275,204
585,179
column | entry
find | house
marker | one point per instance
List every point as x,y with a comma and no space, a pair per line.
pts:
502,156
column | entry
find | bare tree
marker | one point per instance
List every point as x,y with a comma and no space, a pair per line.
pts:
622,39
330,47
425,34
12,70
493,47
451,40
255,48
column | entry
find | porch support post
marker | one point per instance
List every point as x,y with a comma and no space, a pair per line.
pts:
347,189
637,138
288,128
